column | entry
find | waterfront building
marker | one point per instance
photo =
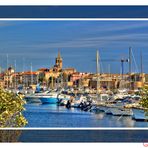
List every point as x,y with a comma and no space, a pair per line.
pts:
107,81
66,76
57,76
69,70
42,75
43,70
116,81
17,79
2,83
137,80
146,80
77,78
8,77
29,78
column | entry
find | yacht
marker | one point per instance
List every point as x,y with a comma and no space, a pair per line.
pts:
49,98
34,98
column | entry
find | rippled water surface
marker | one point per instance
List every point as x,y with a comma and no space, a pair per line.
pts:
39,115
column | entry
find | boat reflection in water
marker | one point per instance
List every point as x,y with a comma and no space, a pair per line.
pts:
100,116
139,114
128,122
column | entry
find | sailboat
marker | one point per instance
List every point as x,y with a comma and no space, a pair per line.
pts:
101,98
116,108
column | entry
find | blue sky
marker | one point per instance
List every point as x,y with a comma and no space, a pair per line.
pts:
38,42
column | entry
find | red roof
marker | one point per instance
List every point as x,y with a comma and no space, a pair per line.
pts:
29,73
1,74
43,69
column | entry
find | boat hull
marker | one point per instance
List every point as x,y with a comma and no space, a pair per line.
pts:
32,99
49,100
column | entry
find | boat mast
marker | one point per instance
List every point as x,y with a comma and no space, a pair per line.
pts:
24,81
130,60
141,55
7,72
62,79
31,75
15,73
109,84
130,66
97,71
52,82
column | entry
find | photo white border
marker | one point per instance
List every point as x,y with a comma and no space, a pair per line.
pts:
73,2
75,19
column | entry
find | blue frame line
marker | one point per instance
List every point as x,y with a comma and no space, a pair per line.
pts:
73,11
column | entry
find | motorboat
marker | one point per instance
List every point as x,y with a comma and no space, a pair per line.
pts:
34,98
49,98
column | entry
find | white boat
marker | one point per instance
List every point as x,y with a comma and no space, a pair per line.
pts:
139,114
34,98
103,97
63,98
101,102
49,98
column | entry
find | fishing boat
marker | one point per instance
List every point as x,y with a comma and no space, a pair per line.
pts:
139,114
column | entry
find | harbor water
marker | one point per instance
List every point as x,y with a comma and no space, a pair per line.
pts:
53,116
52,119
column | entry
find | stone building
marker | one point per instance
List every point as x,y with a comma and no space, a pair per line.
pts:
8,77
29,78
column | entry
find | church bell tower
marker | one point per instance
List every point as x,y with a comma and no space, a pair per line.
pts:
59,61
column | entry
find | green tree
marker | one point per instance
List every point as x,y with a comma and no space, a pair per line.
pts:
11,107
